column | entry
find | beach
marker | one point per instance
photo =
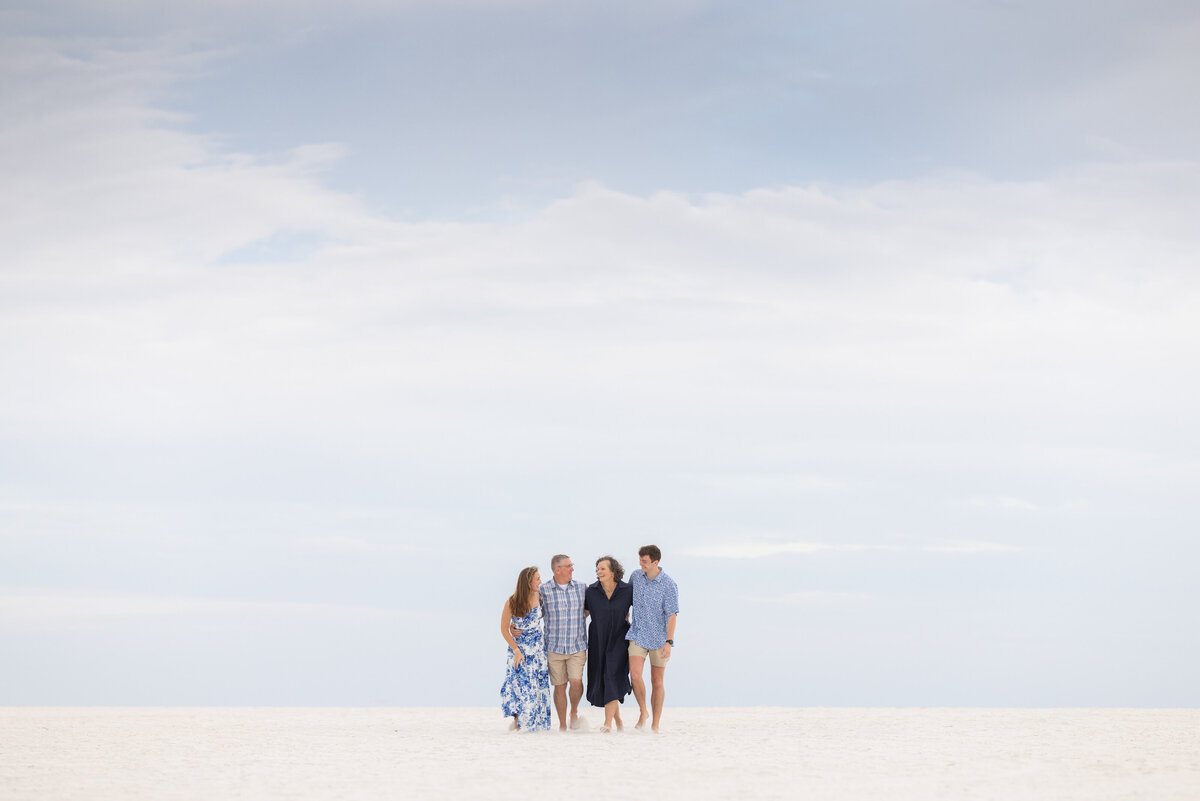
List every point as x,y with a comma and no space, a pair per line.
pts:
56,753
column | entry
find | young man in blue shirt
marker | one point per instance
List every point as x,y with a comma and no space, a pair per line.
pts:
652,632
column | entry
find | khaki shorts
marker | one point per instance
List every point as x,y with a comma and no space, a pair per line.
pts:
566,666
656,657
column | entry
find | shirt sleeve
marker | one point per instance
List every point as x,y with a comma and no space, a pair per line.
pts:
671,600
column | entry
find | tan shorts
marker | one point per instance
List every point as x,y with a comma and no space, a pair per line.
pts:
656,656
566,666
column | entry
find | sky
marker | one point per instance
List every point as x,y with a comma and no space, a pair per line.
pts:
319,321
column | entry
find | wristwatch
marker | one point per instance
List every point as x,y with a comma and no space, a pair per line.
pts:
671,643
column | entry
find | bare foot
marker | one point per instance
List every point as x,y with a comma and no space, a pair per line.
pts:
574,721
641,721
620,725
605,729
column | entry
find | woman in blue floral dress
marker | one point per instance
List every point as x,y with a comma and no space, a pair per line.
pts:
525,694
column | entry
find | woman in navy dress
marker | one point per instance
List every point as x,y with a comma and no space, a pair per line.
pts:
608,601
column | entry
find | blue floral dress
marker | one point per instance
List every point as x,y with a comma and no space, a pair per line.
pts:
526,689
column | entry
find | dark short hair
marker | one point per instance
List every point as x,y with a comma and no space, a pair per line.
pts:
613,565
651,551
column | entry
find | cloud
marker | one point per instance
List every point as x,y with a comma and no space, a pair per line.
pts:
760,550
809,309
1004,502
970,547
811,598
754,550
756,484
27,612
161,288
221,371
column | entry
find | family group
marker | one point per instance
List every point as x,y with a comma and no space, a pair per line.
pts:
550,640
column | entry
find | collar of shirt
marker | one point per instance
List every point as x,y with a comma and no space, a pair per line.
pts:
554,585
646,578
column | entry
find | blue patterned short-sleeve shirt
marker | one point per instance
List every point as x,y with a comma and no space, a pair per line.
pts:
566,624
653,602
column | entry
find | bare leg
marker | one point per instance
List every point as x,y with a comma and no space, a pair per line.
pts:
610,709
560,705
657,694
617,717
576,693
636,663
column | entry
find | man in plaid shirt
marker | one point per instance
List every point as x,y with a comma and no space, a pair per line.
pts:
566,636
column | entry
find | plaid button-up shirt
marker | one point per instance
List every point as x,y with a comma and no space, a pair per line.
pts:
566,630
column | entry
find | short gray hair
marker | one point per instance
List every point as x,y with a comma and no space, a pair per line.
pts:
557,560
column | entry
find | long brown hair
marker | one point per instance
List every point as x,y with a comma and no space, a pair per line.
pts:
521,601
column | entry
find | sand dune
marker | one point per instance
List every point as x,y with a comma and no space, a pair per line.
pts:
760,753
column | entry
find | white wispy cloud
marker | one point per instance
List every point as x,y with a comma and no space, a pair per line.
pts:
1004,502
811,598
57,611
754,550
970,546
760,550
772,483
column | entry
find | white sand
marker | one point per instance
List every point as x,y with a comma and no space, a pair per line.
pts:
760,753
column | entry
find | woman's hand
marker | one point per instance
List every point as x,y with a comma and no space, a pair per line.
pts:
518,658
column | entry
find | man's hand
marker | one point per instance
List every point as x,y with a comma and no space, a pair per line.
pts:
515,632
666,650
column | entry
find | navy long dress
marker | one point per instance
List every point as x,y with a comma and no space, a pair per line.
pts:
608,651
